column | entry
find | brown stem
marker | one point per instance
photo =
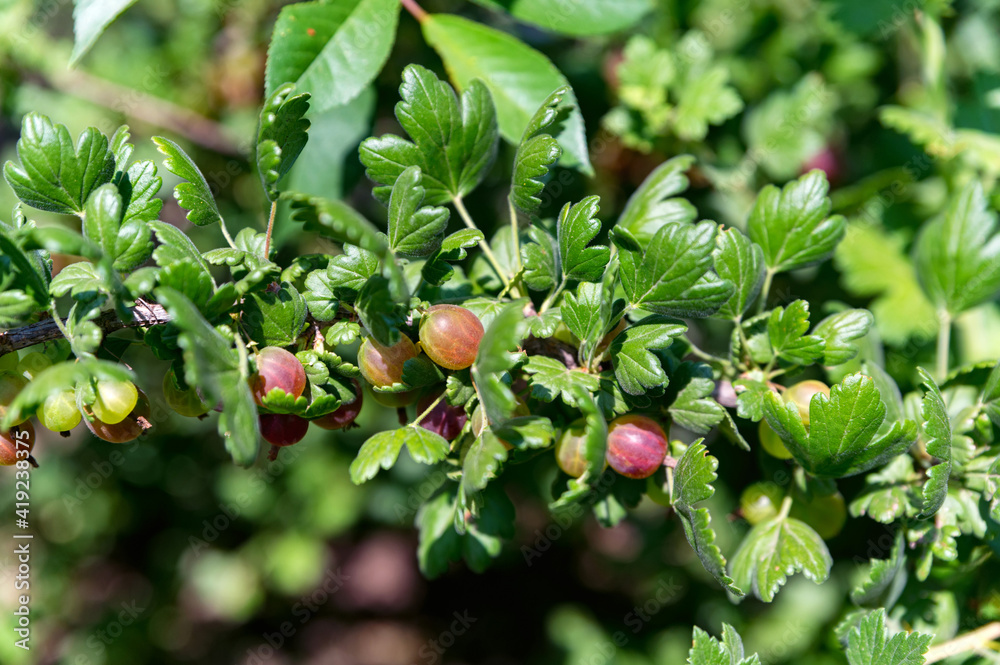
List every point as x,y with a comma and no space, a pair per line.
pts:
145,108
415,9
144,314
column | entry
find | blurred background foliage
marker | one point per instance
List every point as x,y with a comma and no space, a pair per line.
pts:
163,551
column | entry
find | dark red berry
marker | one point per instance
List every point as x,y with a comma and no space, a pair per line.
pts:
346,414
444,419
282,429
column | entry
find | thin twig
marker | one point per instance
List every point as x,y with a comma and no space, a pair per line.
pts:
144,314
962,643
145,108
484,245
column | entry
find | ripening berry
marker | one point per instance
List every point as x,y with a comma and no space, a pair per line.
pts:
450,336
637,446
114,401
187,402
771,442
346,413
128,429
382,366
444,419
802,393
570,449
826,514
10,387
59,412
282,429
277,368
10,440
761,501
9,362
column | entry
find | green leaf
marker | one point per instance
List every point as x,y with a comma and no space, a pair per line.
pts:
59,377
58,240
195,195
750,394
414,231
494,358
793,225
350,271
597,17
211,364
378,312
16,307
937,436
29,272
102,215
888,494
53,174
274,318
840,333
693,478
453,144
541,260
331,50
868,644
482,462
775,549
741,261
692,407
482,538
582,312
536,153
519,77
138,187
550,379
281,136
436,271
886,579
672,274
704,98
526,432
175,246
90,19
636,368
654,203
337,221
576,228
706,650
842,427
382,449
958,254
332,148
873,262
786,330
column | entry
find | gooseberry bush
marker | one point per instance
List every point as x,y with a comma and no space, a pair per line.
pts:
570,342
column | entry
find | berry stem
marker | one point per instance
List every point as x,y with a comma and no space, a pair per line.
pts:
428,409
270,229
943,343
484,245
416,10
765,290
225,233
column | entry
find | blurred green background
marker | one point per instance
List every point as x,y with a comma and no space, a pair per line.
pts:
162,551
